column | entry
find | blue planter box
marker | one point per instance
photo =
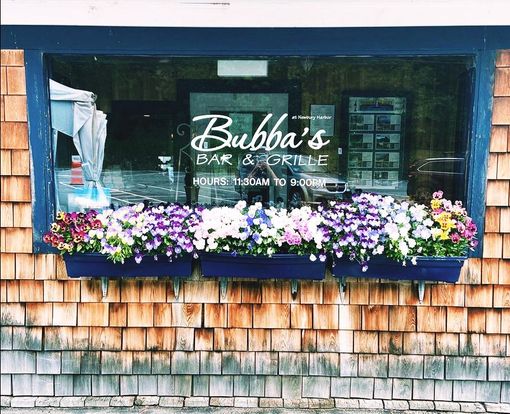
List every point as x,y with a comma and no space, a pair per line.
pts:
97,265
441,269
278,266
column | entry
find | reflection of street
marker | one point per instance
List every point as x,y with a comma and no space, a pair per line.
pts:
129,187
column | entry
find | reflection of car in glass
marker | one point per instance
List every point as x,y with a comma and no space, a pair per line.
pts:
431,174
313,184
304,183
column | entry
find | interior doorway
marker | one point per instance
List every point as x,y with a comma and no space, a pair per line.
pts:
226,183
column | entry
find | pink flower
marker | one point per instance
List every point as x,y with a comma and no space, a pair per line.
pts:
292,238
455,237
468,234
438,195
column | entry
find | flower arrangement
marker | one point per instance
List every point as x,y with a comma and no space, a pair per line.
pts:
367,226
130,231
371,225
70,232
443,229
262,231
357,227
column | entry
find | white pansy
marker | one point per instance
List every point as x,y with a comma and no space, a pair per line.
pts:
401,218
392,230
199,244
403,247
436,232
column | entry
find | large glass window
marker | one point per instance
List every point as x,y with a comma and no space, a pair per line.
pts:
280,130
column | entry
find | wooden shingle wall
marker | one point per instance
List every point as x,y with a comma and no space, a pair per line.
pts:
257,345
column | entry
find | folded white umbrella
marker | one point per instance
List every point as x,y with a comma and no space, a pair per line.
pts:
74,113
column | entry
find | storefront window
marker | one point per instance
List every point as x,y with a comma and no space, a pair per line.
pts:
281,130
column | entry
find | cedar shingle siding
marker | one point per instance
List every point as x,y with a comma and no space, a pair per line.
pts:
257,346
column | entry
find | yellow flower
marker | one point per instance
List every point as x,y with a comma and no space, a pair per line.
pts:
60,215
445,221
435,204
446,216
444,235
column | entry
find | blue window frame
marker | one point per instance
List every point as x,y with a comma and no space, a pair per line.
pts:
481,43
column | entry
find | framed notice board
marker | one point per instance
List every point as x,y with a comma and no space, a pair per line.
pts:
375,137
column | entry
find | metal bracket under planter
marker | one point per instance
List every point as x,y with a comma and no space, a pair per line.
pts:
104,286
293,288
421,290
431,269
96,265
223,287
342,286
105,283
438,269
177,287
